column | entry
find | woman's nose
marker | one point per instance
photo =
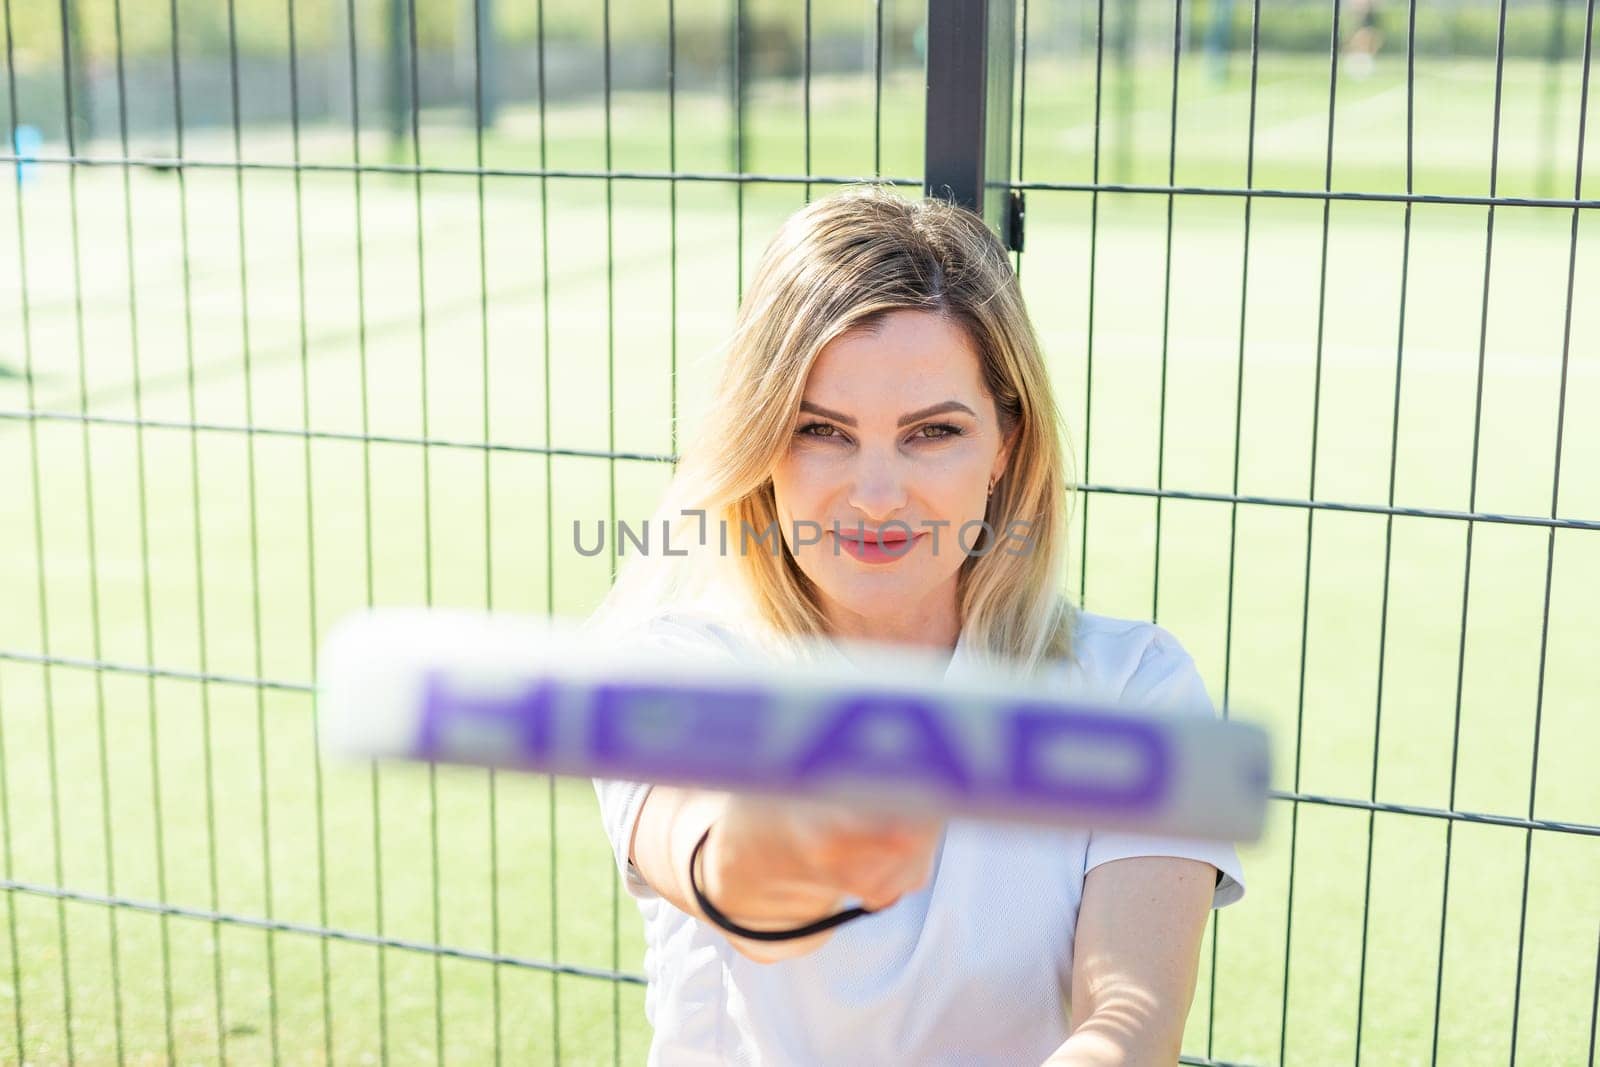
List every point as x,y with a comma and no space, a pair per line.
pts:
878,488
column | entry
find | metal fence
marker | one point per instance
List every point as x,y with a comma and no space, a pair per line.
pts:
379,347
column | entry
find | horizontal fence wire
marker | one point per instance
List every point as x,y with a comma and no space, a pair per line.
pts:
1319,195
409,170
1354,507
309,689
354,937
166,163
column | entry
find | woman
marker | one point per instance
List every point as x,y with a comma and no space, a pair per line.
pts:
885,408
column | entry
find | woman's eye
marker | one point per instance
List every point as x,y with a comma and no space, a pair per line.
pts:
818,429
829,432
938,431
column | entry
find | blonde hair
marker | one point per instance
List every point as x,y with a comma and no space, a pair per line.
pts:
839,264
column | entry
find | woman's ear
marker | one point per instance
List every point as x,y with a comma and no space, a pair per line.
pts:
1003,459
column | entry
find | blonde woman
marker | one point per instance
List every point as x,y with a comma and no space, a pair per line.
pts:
885,410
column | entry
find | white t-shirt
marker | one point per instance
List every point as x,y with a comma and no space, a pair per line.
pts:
974,968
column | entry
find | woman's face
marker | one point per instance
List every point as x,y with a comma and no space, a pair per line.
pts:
892,452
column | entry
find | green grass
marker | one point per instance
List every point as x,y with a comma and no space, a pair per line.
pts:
282,564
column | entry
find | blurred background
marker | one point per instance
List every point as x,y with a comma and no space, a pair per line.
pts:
309,305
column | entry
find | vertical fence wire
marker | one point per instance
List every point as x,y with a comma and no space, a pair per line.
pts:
611,468
549,504
1472,506
1022,118
805,125
6,858
491,780
251,496
1088,330
202,643
1555,501
740,77
672,202
44,610
672,209
148,615
1594,995
1388,523
415,85
1311,515
374,776
70,34
1238,437
877,88
6,850
304,344
1166,311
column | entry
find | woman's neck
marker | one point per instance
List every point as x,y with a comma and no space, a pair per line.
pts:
936,630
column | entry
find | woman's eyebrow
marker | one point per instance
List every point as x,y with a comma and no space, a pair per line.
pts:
905,420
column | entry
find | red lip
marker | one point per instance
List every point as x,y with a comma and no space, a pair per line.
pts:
868,549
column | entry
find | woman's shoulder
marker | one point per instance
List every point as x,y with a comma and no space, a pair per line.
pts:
1128,659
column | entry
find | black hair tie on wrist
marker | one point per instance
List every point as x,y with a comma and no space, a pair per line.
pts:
734,928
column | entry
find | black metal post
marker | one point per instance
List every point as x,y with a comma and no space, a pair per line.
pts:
76,55
397,94
488,98
1555,53
738,76
967,154
1124,44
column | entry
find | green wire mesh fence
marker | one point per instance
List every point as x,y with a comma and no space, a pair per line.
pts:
310,306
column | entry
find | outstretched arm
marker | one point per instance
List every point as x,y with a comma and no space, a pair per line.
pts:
775,865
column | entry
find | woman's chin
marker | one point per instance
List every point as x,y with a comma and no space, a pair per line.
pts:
876,599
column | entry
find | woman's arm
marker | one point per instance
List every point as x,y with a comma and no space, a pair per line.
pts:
1135,957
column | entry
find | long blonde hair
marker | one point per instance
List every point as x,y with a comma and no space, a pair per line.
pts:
838,264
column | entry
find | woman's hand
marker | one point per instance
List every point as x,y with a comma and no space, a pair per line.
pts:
773,864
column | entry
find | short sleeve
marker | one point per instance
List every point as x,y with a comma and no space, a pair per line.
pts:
1166,680
620,799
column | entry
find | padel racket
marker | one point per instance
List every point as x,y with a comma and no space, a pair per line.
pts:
522,691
